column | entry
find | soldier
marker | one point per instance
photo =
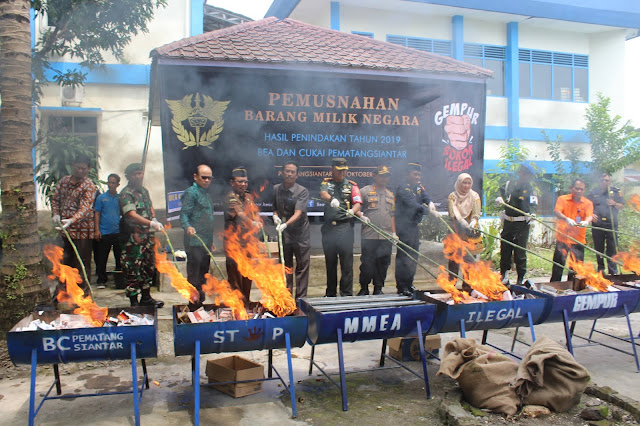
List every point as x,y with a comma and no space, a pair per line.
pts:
606,200
412,202
378,207
290,217
138,260
342,198
519,194
196,218
239,218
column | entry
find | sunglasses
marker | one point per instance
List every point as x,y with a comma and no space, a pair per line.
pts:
206,177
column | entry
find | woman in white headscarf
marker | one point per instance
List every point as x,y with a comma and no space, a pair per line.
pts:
465,209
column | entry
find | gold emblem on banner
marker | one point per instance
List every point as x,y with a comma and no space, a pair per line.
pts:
198,110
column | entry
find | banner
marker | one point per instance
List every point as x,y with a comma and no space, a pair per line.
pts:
260,119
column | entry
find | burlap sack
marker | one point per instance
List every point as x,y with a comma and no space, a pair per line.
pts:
550,376
483,375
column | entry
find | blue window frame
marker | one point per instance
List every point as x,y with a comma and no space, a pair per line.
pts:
362,33
439,47
554,75
489,57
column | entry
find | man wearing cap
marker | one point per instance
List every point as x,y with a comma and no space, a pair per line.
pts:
606,201
290,201
196,218
412,202
240,216
378,208
515,229
139,222
342,202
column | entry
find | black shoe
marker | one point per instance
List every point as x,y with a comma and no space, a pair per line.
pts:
147,300
363,292
408,293
377,290
134,300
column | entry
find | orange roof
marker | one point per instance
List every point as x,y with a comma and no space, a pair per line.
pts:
288,41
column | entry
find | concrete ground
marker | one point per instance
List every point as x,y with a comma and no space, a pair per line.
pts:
379,397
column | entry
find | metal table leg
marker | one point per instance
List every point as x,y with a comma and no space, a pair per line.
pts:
196,386
633,342
56,375
533,333
270,362
383,352
134,379
292,383
144,371
32,396
343,381
567,330
423,358
313,352
463,331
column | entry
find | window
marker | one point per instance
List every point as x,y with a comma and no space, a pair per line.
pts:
83,127
439,47
363,34
554,75
489,57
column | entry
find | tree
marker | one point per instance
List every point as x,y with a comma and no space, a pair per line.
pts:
614,145
21,266
562,178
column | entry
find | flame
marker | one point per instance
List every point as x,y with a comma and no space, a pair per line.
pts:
449,285
587,271
455,248
226,295
263,186
73,294
178,281
482,279
634,202
630,260
244,247
167,226
288,270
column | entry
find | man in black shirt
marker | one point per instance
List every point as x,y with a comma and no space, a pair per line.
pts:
290,217
606,201
519,194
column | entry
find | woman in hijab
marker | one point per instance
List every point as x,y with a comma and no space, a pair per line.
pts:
465,209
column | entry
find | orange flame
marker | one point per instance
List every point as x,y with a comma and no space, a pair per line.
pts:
634,202
226,295
263,186
288,270
587,271
449,285
73,294
244,248
630,260
167,226
482,279
455,248
178,281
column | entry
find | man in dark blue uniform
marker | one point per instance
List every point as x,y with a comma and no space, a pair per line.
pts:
342,201
606,200
412,202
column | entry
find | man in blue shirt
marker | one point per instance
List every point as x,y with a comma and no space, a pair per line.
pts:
107,225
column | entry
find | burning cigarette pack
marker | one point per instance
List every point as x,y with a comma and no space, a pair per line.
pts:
71,321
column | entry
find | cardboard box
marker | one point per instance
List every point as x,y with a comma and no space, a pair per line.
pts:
235,368
408,348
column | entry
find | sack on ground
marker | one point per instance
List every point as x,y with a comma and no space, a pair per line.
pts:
483,375
549,375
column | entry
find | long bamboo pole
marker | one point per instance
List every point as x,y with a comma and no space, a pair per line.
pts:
75,250
210,255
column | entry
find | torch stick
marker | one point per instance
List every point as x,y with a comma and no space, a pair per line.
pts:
281,250
173,252
75,250
210,255
523,248
615,237
613,231
562,233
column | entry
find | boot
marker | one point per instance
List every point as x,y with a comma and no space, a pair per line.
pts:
377,290
147,300
134,300
364,291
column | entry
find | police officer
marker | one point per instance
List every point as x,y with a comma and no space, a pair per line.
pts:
519,194
412,202
138,260
342,201
378,207
606,200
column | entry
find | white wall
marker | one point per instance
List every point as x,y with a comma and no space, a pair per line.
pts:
534,37
606,68
485,32
551,114
496,111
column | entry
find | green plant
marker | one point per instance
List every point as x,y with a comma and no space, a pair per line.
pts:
56,155
433,229
491,243
562,177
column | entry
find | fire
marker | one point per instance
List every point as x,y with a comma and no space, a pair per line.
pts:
587,271
455,248
630,260
226,295
482,279
73,294
167,226
288,270
178,281
450,286
244,248
634,202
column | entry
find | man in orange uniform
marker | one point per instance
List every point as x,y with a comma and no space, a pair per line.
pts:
573,214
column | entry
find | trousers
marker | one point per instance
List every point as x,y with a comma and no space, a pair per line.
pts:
337,244
405,265
103,247
302,252
517,233
198,262
600,239
374,262
560,256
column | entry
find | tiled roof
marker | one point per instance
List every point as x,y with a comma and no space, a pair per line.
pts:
288,41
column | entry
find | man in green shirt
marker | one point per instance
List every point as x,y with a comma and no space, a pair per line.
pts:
196,218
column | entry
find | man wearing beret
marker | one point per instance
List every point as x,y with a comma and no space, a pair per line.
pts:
139,222
378,208
412,202
342,202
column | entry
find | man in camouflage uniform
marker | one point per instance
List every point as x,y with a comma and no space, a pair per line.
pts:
342,198
138,260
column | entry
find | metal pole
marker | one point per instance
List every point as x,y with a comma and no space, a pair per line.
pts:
210,255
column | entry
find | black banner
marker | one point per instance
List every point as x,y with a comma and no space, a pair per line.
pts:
226,117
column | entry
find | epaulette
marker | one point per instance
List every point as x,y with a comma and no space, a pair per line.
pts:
353,183
327,179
